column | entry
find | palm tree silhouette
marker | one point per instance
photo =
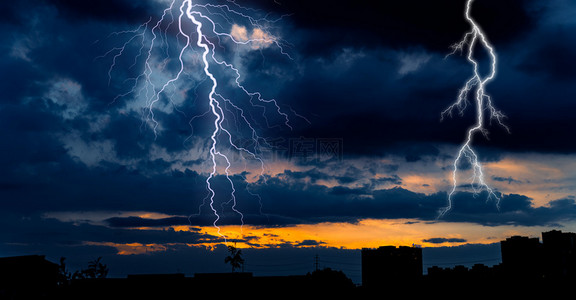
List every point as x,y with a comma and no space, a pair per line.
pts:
235,258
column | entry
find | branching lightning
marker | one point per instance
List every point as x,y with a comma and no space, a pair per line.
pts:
476,84
201,33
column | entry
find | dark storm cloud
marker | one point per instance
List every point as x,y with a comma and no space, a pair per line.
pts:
298,203
128,142
105,10
341,190
19,83
61,184
444,240
388,108
515,209
294,200
371,110
553,58
204,219
355,93
56,239
382,102
309,243
143,222
329,26
508,179
52,232
363,102
314,175
40,172
35,62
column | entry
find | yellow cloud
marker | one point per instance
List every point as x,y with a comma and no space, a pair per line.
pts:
257,40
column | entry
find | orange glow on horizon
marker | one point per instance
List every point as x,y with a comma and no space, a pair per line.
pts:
368,233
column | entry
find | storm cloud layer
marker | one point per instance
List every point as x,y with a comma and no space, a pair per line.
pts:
372,77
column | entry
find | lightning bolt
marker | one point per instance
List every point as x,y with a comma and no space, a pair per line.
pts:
476,84
200,28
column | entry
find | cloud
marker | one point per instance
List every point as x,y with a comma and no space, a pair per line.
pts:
144,222
402,24
309,243
292,197
106,10
258,39
312,203
444,240
553,57
340,190
508,179
67,95
48,232
412,62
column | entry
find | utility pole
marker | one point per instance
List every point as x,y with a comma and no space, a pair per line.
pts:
316,262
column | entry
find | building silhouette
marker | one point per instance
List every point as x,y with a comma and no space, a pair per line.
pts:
522,257
527,258
559,254
390,265
27,277
529,268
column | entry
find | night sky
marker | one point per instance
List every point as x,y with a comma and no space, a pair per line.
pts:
357,155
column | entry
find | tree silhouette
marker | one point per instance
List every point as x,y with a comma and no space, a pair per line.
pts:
63,275
95,269
331,278
235,258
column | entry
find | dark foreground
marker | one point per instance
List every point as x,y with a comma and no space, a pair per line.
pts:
244,285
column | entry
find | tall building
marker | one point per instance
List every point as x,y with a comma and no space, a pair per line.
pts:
560,254
522,256
390,264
